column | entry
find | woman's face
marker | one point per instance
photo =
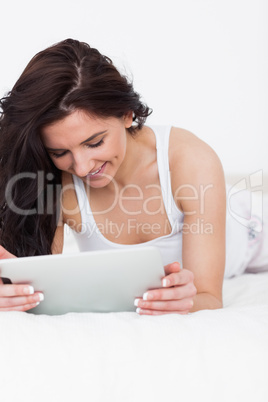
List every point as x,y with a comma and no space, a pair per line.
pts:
92,148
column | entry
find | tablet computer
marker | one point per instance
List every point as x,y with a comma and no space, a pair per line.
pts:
91,281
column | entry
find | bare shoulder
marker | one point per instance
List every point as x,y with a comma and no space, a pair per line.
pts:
66,178
66,197
57,244
69,203
189,147
193,163
69,213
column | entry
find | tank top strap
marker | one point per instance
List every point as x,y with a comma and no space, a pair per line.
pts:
162,134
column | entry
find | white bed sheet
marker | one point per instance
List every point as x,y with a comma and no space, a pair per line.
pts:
210,355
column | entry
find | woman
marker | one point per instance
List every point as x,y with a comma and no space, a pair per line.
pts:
74,150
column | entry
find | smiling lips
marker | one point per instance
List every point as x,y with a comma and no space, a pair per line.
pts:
96,171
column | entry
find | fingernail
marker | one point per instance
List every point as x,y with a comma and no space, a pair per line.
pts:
136,301
147,296
41,296
29,290
165,282
138,310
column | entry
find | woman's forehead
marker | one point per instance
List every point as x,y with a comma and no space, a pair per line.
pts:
79,125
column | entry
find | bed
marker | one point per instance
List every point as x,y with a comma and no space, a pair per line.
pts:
210,355
218,355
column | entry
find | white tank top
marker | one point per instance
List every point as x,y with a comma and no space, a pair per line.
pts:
240,247
170,246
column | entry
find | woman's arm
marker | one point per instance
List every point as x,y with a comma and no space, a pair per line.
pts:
199,183
69,212
57,245
198,187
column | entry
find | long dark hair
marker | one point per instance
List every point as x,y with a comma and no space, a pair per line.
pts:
67,76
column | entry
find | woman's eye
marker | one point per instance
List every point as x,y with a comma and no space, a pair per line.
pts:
54,155
95,145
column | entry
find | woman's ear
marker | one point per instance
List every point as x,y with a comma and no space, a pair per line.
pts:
128,118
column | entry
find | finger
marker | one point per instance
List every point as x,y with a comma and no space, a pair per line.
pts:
5,254
179,278
173,267
155,312
25,307
173,293
7,302
172,305
16,290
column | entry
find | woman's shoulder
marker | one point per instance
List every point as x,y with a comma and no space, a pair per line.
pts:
69,202
66,178
193,163
188,151
187,143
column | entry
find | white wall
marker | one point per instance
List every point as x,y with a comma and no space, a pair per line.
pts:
200,64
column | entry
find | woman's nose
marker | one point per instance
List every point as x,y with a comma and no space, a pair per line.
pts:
82,165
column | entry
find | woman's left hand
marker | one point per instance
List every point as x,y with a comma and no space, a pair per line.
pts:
176,296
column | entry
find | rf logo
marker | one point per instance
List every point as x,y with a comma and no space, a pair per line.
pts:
254,221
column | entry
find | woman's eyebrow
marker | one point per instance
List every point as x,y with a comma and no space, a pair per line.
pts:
88,139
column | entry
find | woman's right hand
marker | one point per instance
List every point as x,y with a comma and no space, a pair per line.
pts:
17,297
